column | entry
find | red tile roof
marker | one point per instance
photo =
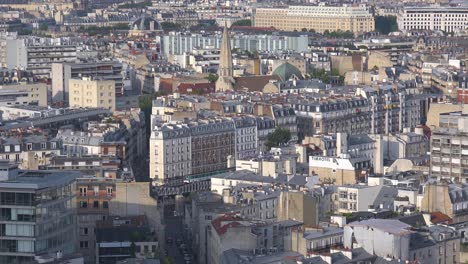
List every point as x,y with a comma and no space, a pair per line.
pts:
205,87
224,222
438,218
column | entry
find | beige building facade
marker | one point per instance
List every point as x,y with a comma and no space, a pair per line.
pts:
37,92
357,19
88,92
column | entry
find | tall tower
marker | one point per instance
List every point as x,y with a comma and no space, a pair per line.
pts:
225,80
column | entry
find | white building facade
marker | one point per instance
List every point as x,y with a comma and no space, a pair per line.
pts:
448,19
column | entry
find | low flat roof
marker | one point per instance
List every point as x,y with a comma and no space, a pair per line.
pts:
36,180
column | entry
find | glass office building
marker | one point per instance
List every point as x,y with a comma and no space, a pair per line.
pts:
37,213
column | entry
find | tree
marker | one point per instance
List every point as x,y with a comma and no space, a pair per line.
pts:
212,77
167,260
312,30
304,30
243,23
146,103
386,24
43,27
133,250
335,72
279,137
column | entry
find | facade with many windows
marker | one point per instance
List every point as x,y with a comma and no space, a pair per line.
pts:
92,198
321,18
443,18
449,147
38,213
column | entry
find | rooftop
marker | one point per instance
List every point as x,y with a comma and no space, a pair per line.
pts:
387,225
36,180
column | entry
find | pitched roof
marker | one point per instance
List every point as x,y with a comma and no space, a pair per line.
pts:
286,70
439,218
254,83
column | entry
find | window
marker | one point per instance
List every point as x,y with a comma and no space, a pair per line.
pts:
83,204
83,244
146,249
84,231
83,191
105,204
96,204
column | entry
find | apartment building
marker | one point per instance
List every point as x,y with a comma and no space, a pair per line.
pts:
36,54
62,73
213,140
434,244
92,200
88,92
446,198
391,110
445,79
321,18
358,198
442,18
37,93
246,136
29,152
177,43
265,126
170,153
318,115
38,217
449,147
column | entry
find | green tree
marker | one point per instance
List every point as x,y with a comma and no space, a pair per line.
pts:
279,137
146,104
133,250
43,27
167,260
386,24
243,22
335,72
212,77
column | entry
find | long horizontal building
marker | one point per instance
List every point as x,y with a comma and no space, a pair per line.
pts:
354,18
443,18
180,43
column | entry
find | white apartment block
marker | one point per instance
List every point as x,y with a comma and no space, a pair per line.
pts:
246,136
170,152
358,198
443,18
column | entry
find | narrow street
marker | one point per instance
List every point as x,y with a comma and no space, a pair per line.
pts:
175,238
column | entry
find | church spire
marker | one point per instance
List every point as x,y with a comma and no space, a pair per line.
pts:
225,80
